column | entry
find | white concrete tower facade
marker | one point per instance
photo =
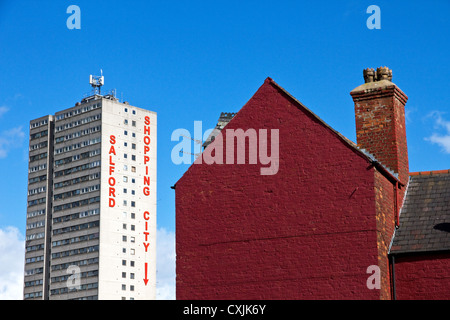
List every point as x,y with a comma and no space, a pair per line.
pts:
128,195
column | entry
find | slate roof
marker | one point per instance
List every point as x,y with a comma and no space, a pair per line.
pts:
224,118
425,215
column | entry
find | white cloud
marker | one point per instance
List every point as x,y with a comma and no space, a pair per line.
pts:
165,265
10,139
12,255
443,140
3,110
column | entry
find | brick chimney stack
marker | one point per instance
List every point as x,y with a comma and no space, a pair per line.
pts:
380,120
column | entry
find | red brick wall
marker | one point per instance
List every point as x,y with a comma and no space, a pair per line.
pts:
424,277
308,232
384,199
380,127
400,138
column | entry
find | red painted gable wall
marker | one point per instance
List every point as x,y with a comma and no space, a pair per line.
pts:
307,232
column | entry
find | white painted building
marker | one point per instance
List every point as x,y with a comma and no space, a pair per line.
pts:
91,213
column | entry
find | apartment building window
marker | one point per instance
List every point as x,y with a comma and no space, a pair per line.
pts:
125,121
133,169
133,135
134,111
125,156
126,109
125,132
133,157
124,287
124,262
124,190
124,274
125,179
124,238
133,146
133,123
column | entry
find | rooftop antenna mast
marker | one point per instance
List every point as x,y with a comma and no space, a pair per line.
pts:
97,82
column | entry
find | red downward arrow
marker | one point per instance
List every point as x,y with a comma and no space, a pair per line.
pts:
146,279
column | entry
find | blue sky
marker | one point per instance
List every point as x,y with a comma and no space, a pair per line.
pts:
191,60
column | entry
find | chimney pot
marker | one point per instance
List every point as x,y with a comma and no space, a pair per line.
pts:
384,73
369,75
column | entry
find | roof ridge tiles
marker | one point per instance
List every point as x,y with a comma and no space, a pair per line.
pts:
429,173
